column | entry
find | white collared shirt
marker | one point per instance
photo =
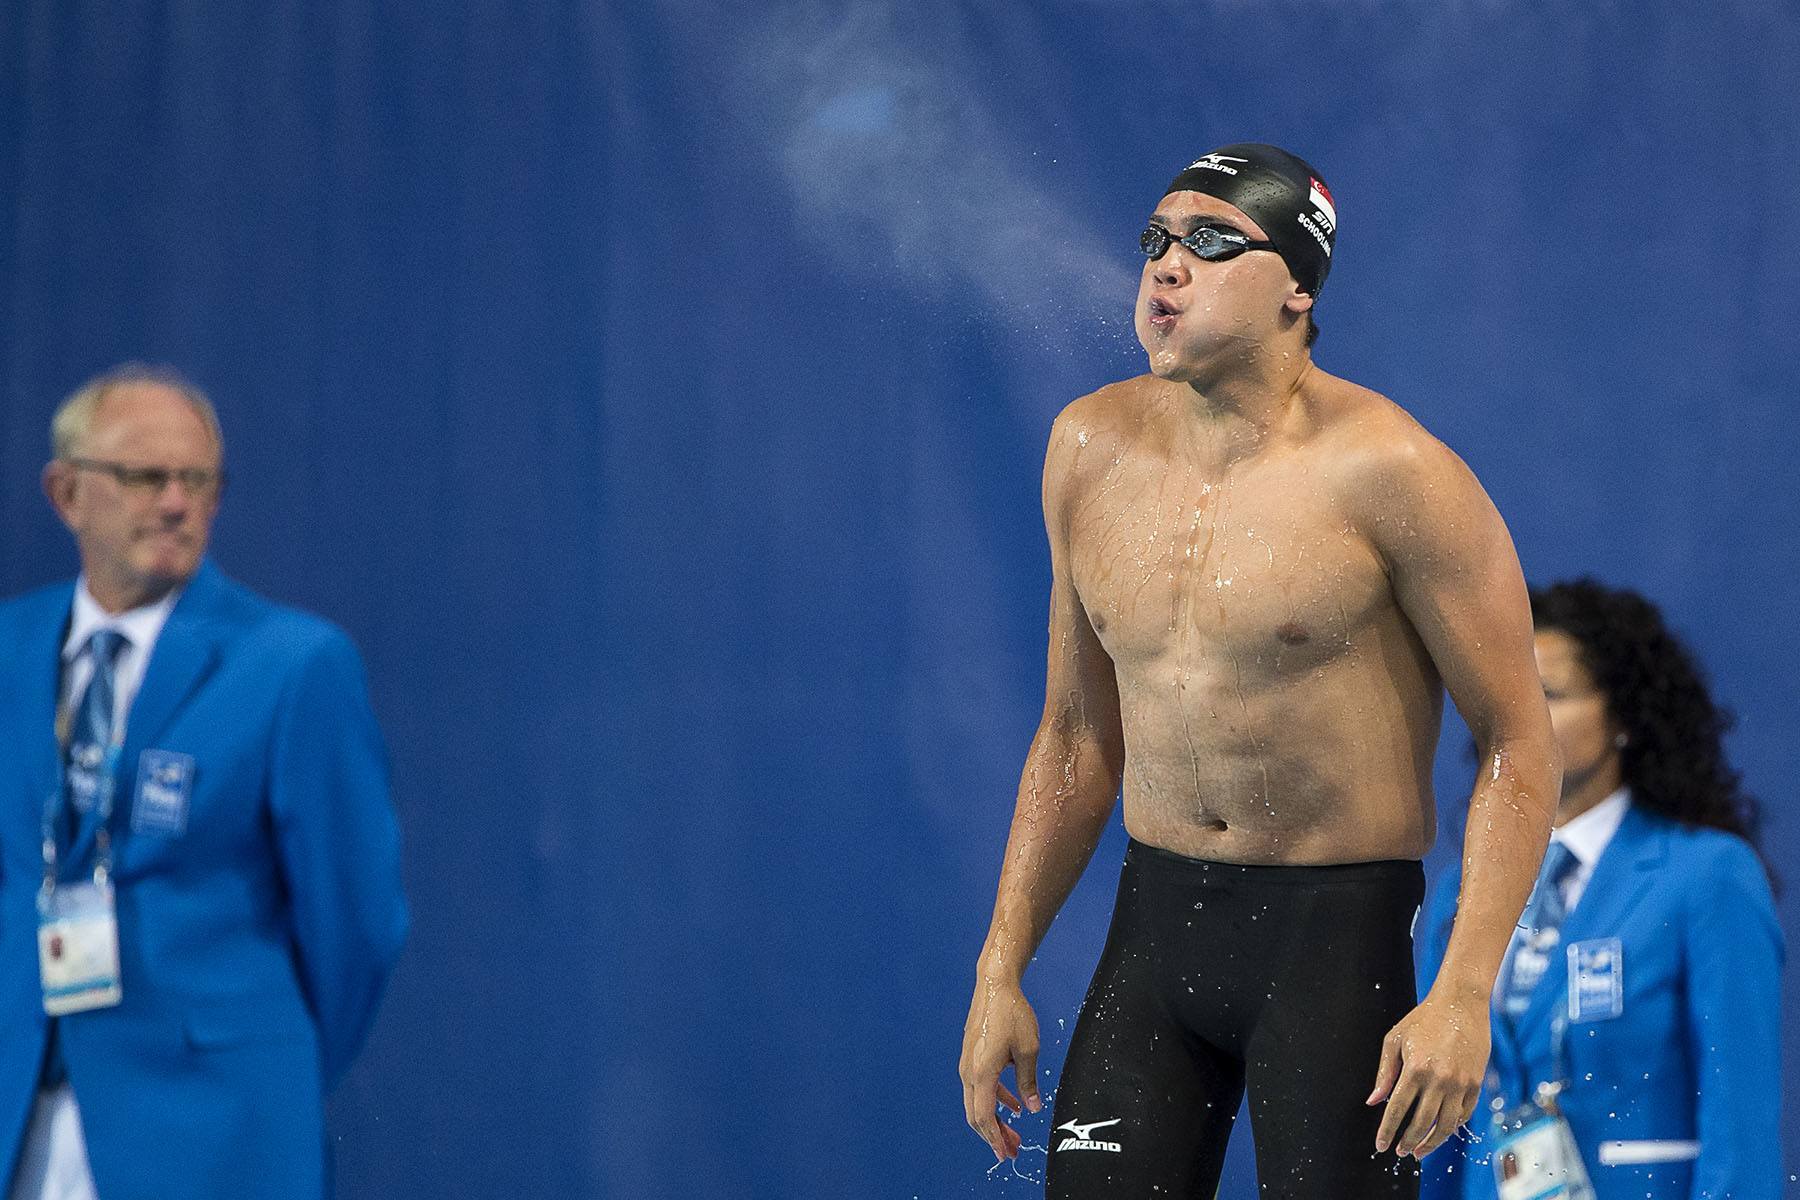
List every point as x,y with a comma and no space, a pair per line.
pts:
140,627
1587,837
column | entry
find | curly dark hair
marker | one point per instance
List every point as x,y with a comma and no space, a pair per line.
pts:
1674,755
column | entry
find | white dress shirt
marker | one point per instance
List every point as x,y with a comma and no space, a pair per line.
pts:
1587,837
140,626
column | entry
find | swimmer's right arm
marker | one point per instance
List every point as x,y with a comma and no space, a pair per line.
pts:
1066,794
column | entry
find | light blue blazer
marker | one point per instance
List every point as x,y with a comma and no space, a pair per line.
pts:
255,934
1694,1053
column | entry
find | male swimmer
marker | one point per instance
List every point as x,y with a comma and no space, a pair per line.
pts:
1263,579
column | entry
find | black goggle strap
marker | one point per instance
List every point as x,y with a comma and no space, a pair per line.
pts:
1210,242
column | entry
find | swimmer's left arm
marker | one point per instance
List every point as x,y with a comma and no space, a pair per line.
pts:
1456,576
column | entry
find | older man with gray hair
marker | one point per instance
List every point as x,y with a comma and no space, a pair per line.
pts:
199,864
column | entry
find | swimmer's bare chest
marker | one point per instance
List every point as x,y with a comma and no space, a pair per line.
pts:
1275,702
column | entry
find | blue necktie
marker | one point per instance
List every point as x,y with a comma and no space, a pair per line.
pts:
1538,934
90,738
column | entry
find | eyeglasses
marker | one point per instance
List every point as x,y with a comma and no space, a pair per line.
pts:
1214,243
202,483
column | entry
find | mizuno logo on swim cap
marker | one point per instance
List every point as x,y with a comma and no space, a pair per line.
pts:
1216,162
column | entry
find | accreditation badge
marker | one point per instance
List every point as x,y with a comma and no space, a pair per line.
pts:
78,947
1535,1157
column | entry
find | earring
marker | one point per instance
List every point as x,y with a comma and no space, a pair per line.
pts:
1621,741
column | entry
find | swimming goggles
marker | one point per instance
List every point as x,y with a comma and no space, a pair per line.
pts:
1214,243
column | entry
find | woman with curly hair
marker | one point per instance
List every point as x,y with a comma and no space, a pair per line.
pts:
1643,986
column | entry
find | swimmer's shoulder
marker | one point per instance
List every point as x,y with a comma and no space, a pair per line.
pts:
1377,449
1090,437
1358,420
1107,419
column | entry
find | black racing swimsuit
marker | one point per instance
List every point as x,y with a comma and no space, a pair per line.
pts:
1216,975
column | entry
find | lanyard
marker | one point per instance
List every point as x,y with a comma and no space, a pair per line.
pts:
1507,1032
105,776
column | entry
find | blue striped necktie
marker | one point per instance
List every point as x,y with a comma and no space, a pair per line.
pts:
90,736
1539,932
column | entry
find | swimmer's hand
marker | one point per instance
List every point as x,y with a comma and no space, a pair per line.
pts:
1431,1065
1001,1031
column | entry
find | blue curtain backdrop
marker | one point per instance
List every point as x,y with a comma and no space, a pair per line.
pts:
658,393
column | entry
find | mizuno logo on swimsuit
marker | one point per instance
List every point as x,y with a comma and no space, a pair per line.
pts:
1084,1134
1216,162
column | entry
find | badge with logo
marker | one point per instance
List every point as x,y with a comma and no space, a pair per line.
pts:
1540,1162
1596,979
1535,1156
78,948
165,783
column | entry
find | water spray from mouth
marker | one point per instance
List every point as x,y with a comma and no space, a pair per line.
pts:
879,132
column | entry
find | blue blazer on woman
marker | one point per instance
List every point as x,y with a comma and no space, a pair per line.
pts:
258,918
1692,1054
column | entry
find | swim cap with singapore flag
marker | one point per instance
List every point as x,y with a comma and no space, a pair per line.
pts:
1278,191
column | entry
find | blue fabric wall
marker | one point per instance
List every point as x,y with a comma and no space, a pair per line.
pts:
658,392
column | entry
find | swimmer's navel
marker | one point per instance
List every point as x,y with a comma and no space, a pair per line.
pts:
1293,634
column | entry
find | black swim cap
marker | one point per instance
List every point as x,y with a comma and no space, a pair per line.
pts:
1279,192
